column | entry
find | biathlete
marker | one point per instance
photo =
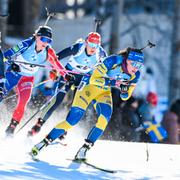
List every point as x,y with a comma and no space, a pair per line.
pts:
85,55
35,50
121,70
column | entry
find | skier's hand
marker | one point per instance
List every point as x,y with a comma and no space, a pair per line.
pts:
124,88
122,85
15,67
53,74
70,78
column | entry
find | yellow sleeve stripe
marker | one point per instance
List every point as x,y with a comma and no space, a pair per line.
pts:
102,68
132,77
130,91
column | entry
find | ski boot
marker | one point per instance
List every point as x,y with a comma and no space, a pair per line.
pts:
38,147
62,140
10,129
81,154
62,137
36,128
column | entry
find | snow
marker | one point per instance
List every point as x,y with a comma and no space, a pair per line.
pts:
131,160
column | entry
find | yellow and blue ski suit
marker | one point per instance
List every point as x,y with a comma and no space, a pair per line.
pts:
97,90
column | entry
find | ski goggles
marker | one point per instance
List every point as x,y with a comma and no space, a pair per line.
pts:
137,65
46,40
92,45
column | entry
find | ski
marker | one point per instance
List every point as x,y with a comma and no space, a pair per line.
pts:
92,165
34,158
59,143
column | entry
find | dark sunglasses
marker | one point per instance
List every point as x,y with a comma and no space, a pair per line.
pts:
46,40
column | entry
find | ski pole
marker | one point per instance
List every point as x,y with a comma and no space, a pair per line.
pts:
149,44
97,23
35,86
49,67
49,15
63,70
42,107
43,82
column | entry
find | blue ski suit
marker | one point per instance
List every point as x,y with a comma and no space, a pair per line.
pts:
80,62
97,90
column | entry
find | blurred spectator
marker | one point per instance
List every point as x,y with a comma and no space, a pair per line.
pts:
147,109
146,84
151,130
130,121
171,122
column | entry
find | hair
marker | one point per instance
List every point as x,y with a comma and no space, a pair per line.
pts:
43,31
175,107
125,52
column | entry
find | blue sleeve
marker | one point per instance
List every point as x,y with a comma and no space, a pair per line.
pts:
72,50
110,61
103,53
19,48
136,79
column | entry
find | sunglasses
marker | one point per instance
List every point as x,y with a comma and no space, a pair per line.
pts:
93,45
137,65
46,40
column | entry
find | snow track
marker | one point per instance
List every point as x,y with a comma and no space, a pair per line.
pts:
130,159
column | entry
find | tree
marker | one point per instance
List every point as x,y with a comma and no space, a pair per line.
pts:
115,21
174,87
3,19
31,14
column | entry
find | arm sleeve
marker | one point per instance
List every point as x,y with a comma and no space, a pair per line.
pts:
53,60
72,50
99,73
19,48
132,84
102,55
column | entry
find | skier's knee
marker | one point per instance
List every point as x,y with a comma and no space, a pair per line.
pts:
104,110
75,115
102,123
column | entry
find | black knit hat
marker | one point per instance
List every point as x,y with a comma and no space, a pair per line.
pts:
44,31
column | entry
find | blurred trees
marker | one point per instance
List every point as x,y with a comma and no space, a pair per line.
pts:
3,19
174,88
117,11
23,17
30,16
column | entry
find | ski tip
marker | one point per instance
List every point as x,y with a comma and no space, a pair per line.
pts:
34,158
84,161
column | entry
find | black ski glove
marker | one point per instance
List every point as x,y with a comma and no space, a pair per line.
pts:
15,67
70,78
124,88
